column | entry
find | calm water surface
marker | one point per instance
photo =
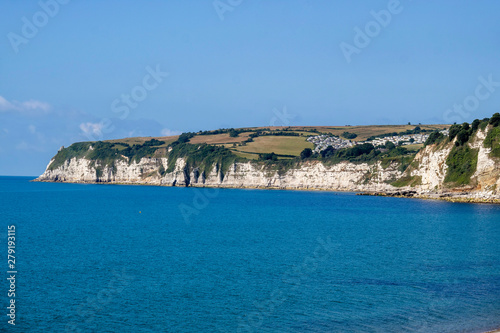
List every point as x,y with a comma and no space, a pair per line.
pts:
102,258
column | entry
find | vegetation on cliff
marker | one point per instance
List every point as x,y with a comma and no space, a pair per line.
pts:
105,153
204,157
492,140
284,148
462,163
201,158
462,160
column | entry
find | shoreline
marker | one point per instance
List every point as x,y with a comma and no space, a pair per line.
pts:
444,196
406,194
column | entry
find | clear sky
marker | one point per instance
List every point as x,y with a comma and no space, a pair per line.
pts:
80,70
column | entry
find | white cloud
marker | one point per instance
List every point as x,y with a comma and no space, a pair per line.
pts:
35,105
168,132
6,105
32,129
91,128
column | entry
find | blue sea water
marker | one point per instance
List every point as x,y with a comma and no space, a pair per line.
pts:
111,258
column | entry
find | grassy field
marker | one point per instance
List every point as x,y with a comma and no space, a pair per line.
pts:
245,155
363,132
414,147
282,145
140,140
219,138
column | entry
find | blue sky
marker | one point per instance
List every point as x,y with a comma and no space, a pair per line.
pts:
67,67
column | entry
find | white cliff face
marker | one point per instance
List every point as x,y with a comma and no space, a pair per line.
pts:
314,175
429,165
310,175
74,170
487,173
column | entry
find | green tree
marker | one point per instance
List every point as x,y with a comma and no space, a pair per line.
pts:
495,120
434,137
306,153
349,135
462,137
454,129
475,124
389,145
329,151
268,157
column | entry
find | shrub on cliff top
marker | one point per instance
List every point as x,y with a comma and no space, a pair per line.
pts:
434,137
495,120
268,157
306,153
475,124
454,129
183,138
462,137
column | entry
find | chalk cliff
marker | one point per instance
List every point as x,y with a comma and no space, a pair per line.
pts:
426,176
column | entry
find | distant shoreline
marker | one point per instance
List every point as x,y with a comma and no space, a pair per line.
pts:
444,196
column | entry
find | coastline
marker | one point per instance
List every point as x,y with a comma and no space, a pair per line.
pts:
407,194
444,196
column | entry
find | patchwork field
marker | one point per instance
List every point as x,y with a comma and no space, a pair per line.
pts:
283,145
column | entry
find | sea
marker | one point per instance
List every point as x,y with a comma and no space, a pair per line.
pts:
118,258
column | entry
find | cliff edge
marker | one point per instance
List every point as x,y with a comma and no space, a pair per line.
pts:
464,167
